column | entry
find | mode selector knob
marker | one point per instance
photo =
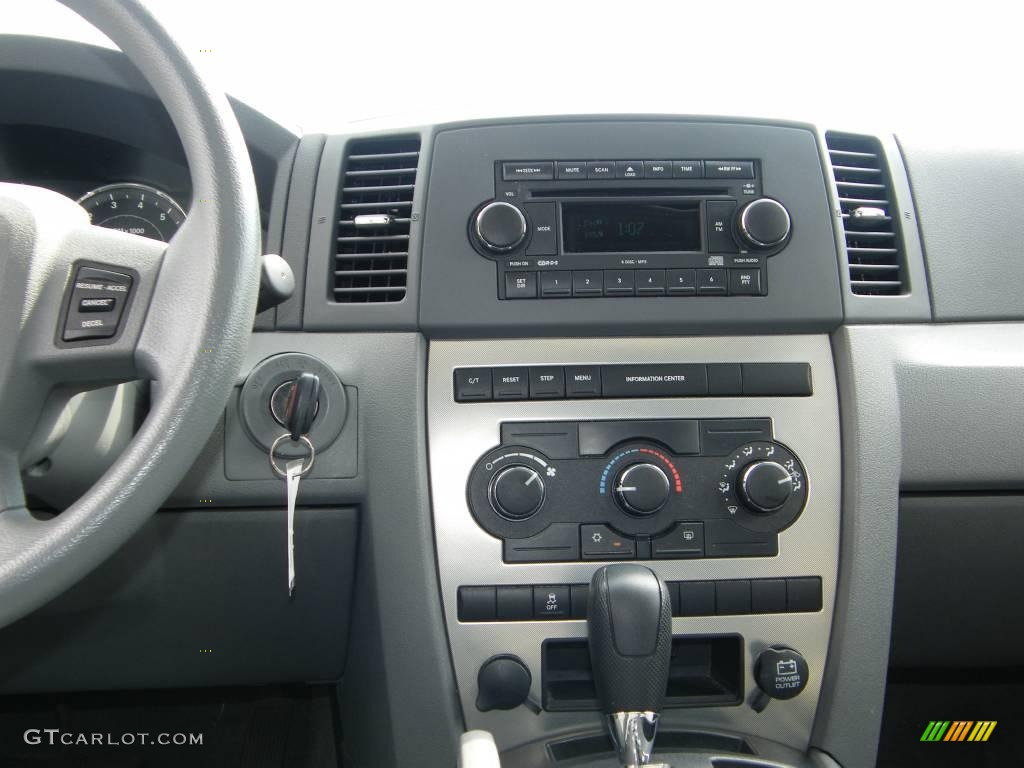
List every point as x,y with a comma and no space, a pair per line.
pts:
500,227
642,489
764,224
765,486
516,492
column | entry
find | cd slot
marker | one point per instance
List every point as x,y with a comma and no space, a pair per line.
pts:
631,192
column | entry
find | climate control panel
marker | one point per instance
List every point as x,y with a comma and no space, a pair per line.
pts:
621,490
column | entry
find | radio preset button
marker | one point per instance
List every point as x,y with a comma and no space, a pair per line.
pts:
711,282
729,169
588,283
555,285
682,282
523,171
570,170
520,285
601,169
629,169
650,282
618,282
687,169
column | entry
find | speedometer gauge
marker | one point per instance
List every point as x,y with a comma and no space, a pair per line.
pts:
134,208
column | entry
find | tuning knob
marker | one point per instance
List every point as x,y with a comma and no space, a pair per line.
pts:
516,492
500,227
764,224
642,489
765,486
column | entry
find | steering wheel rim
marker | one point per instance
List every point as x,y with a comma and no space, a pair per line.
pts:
187,328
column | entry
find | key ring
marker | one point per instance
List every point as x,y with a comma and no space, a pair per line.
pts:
302,439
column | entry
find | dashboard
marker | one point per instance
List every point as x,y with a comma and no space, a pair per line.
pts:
764,358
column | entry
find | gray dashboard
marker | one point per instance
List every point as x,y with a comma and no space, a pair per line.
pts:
926,402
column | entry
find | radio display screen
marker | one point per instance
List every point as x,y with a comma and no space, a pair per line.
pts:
630,227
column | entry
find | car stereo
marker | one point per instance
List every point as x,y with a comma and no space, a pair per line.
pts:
591,228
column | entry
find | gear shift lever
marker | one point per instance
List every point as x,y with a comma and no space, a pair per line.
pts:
629,621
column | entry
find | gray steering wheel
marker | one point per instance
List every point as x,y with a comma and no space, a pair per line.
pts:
186,327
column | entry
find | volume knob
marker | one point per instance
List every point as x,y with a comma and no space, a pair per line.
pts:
765,486
764,224
500,227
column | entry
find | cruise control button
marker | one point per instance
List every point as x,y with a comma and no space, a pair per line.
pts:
650,282
472,384
588,283
515,171
618,282
84,328
685,540
711,282
520,285
599,542
97,305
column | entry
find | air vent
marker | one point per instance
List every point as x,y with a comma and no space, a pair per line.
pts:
869,215
372,257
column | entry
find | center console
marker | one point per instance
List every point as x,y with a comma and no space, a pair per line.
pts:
629,363
733,499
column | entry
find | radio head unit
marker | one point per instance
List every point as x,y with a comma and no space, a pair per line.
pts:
564,229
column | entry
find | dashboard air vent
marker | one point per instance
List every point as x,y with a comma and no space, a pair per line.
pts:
869,215
372,257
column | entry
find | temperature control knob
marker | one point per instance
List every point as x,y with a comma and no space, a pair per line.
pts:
765,486
642,489
516,492
763,224
500,227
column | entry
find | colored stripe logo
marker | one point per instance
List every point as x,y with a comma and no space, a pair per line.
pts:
958,730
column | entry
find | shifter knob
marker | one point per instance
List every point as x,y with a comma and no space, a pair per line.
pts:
630,626
629,621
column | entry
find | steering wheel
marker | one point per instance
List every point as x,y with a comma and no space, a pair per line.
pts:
185,325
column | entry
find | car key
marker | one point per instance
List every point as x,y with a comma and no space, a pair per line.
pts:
301,406
292,473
